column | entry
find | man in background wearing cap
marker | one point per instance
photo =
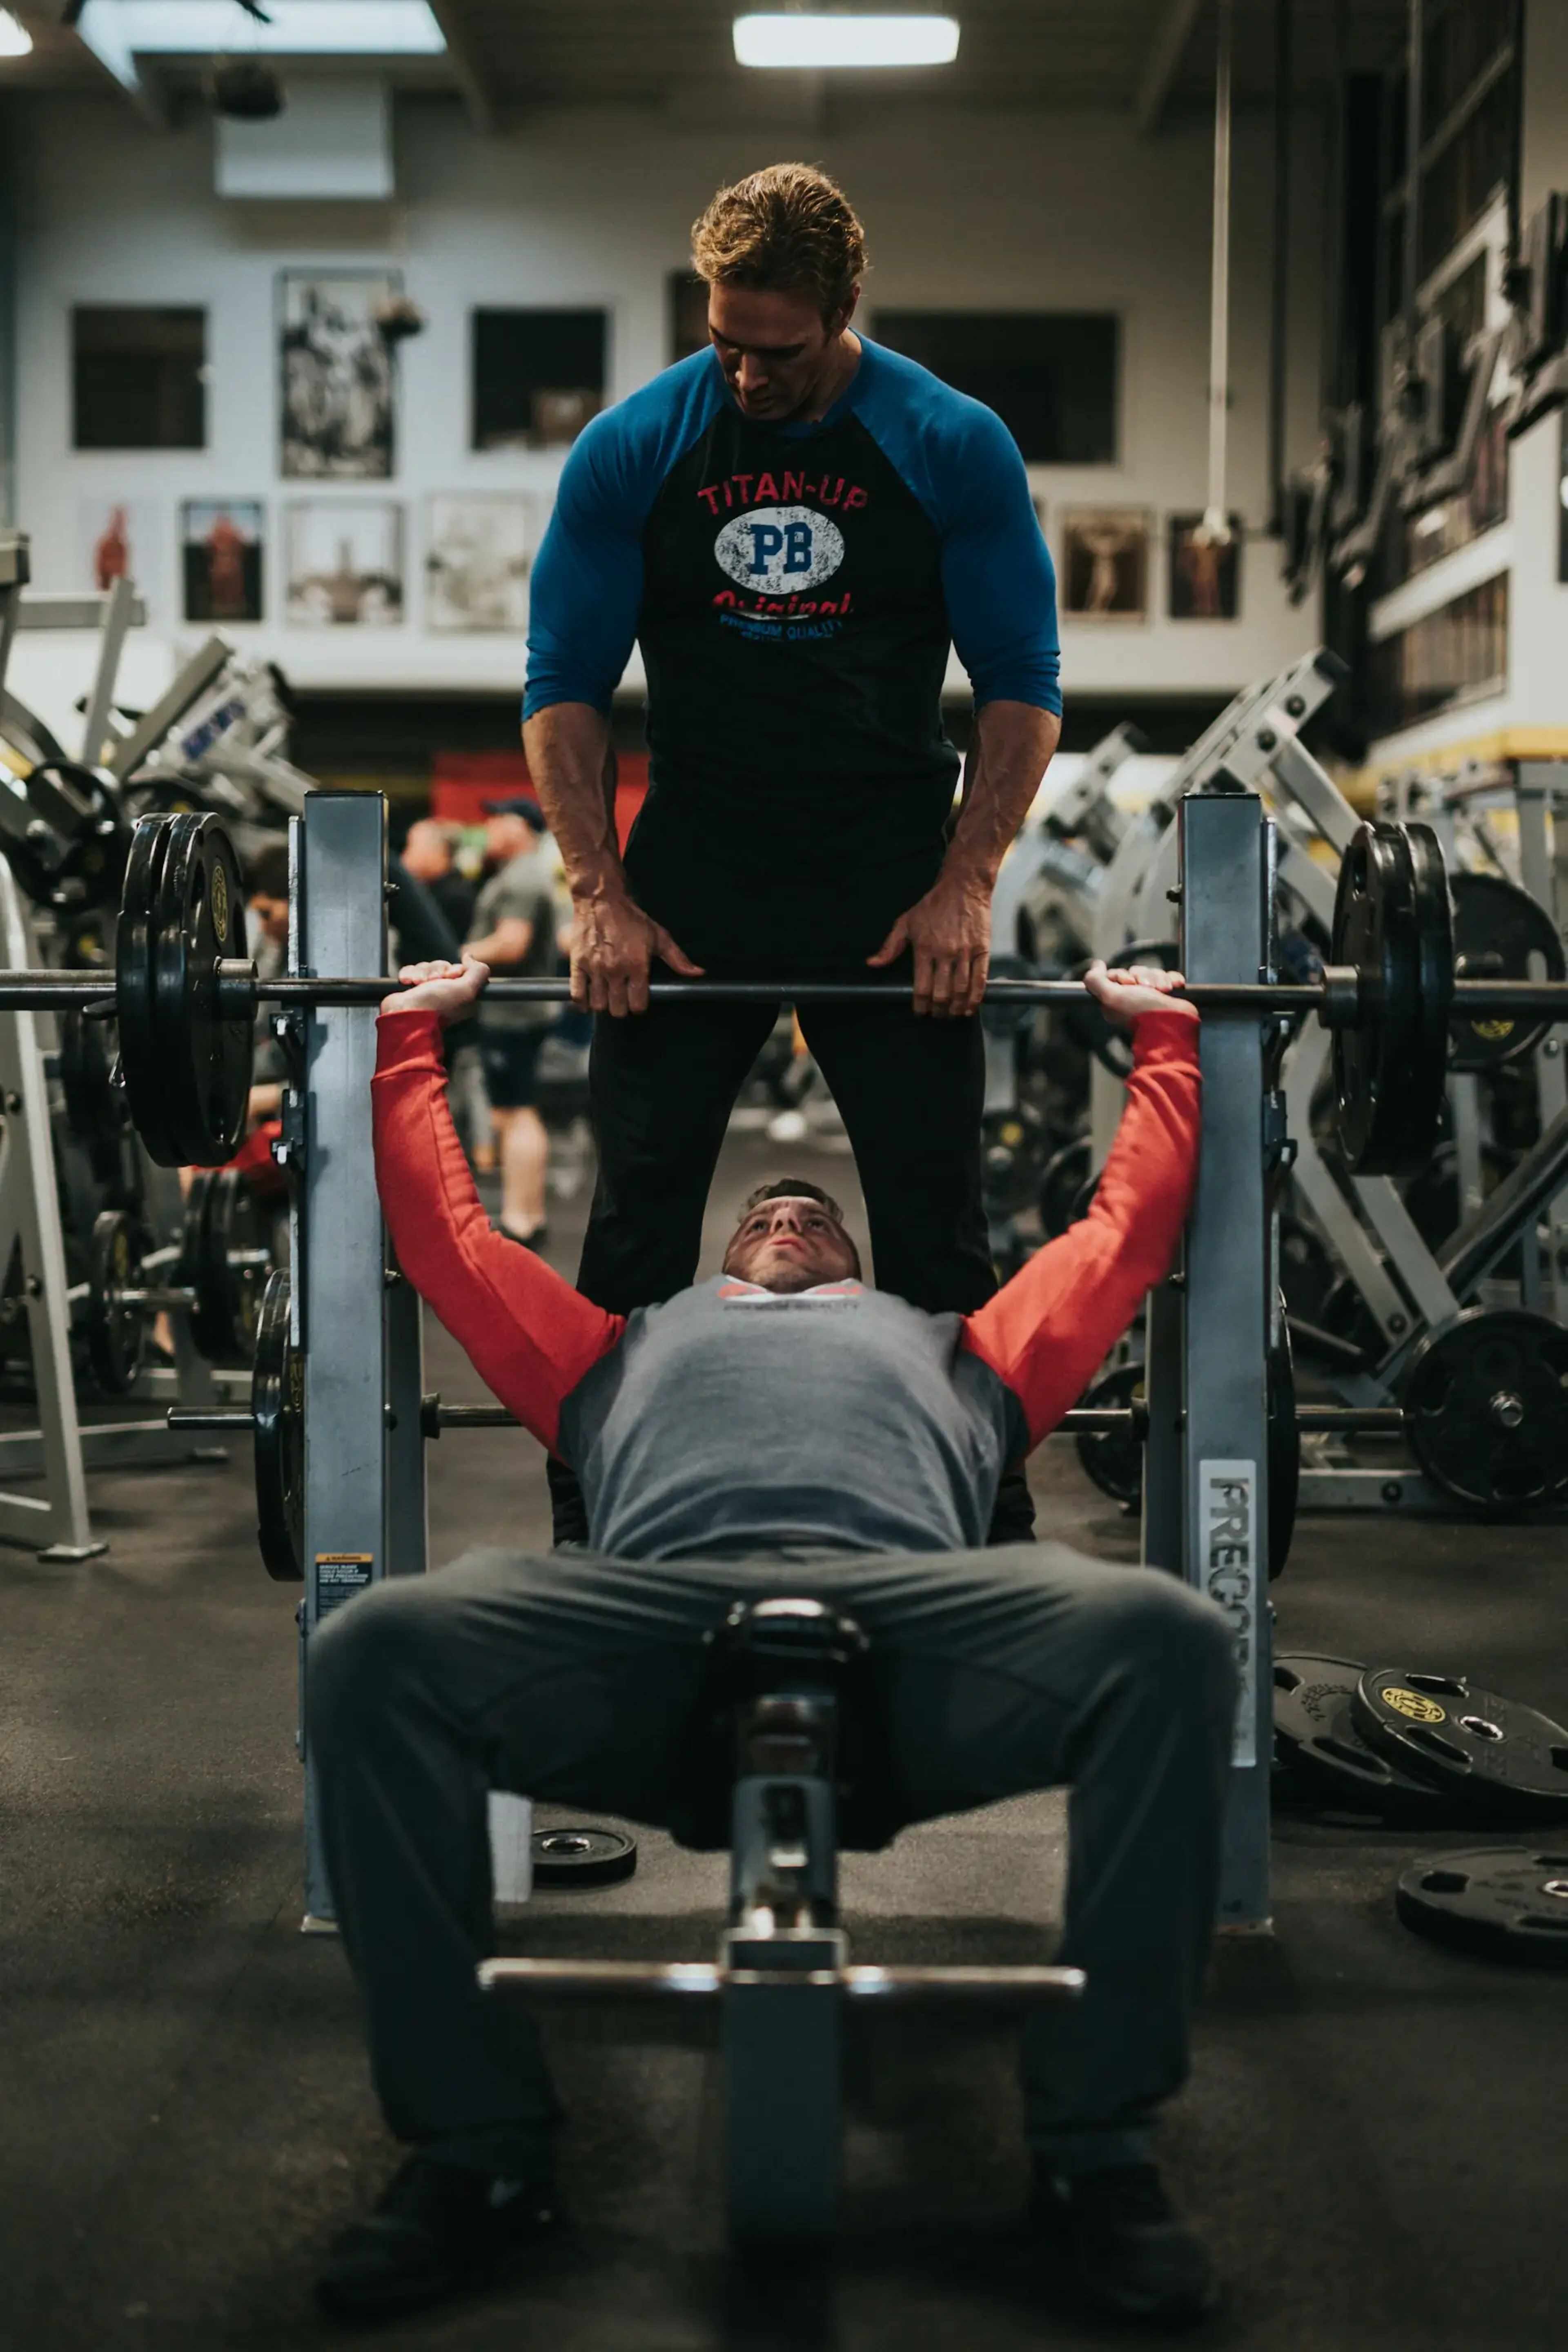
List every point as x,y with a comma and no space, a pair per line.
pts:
513,931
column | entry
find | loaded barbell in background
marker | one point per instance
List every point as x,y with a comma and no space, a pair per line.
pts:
186,1000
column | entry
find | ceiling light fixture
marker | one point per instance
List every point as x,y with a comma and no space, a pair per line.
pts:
15,41
811,40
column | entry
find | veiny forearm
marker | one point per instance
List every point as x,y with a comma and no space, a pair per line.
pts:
567,747
1014,743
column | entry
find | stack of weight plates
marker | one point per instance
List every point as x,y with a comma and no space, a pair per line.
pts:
1436,1750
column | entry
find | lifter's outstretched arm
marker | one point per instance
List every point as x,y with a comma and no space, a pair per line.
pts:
1047,1330
530,1336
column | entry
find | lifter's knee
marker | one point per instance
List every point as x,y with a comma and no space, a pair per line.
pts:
1176,1640
361,1662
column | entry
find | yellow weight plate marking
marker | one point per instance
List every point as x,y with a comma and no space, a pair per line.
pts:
1412,1704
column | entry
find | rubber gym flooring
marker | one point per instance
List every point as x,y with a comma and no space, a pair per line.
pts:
1372,2137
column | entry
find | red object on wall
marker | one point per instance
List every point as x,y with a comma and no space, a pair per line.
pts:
462,781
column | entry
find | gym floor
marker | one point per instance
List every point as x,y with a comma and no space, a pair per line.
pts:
1372,2138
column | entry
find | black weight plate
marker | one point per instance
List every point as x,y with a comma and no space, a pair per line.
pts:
1063,1178
140,1054
228,1290
1113,1459
1315,1734
1500,932
574,1857
200,919
1394,924
1482,1748
1505,1902
1486,1409
116,1335
277,1400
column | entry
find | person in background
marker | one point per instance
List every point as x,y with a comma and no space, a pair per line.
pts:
513,929
428,856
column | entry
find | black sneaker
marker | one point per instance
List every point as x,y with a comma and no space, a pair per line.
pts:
1129,2249
435,2230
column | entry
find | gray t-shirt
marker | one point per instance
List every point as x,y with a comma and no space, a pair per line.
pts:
732,1420
523,890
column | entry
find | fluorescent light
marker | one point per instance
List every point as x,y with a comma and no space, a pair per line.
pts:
119,31
810,39
15,40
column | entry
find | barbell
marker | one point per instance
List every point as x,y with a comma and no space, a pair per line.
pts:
185,997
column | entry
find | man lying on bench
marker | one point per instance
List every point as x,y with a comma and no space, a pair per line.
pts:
784,1409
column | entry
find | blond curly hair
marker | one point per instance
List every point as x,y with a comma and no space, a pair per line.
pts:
789,229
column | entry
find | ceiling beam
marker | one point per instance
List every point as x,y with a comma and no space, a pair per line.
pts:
460,57
1168,48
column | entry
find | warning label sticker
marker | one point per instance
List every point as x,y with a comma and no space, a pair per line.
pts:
339,1576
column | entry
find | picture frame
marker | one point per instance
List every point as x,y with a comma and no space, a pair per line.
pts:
1204,580
478,550
337,374
344,565
1105,564
223,546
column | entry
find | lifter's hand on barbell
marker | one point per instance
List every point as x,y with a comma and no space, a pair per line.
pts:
1123,994
446,990
614,944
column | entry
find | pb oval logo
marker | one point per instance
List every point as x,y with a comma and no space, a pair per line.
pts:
776,548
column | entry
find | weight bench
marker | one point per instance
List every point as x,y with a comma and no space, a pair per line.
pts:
784,1764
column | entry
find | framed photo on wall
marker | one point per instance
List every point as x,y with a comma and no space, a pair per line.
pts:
221,544
337,374
1205,578
1105,563
343,562
475,563
122,539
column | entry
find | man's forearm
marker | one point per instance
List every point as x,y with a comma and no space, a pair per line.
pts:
1014,743
567,747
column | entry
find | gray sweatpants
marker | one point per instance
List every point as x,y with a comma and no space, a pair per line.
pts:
569,1678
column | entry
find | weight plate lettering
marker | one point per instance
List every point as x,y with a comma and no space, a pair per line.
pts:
1394,923
1315,1735
1507,1902
1500,932
200,920
277,1400
1482,1749
1486,1409
576,1857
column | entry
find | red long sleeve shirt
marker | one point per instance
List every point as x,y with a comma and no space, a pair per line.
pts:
729,1418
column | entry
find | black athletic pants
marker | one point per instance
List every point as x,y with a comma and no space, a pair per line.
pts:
910,1090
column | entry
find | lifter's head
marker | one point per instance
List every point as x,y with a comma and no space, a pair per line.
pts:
783,255
791,1236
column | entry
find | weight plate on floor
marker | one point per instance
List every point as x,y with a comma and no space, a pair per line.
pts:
1500,932
1315,1735
1113,1459
1394,924
1506,1902
140,1054
208,1056
277,1400
1486,1409
116,1335
574,1857
1476,1746
226,1270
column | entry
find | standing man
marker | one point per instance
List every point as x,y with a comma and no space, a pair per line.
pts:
796,524
513,931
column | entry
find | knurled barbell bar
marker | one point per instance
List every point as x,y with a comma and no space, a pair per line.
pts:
185,997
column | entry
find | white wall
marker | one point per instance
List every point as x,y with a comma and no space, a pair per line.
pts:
988,211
